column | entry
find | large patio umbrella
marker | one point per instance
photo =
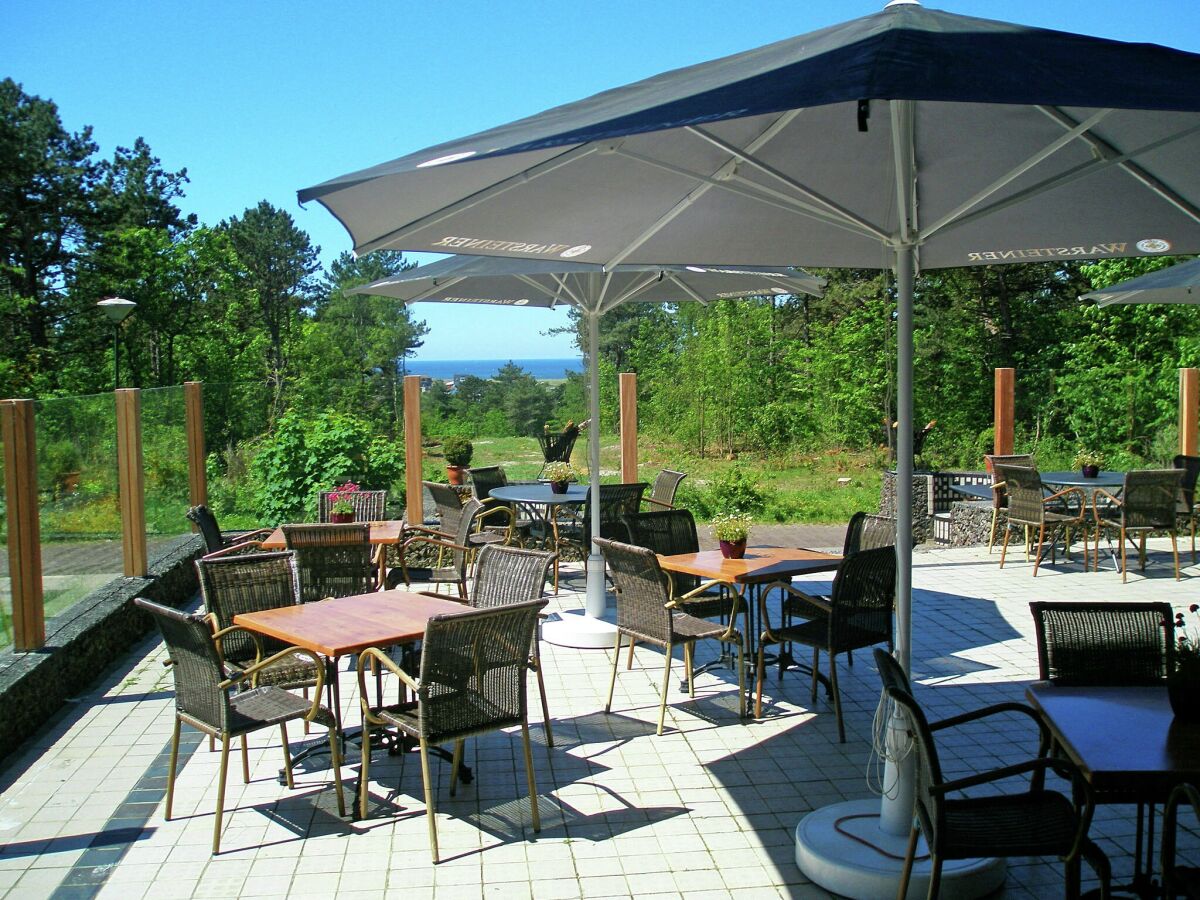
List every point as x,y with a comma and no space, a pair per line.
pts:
907,138
593,291
1179,283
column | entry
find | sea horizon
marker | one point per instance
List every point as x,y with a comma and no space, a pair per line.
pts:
548,369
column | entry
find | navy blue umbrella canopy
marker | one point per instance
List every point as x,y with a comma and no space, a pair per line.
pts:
1179,283
975,141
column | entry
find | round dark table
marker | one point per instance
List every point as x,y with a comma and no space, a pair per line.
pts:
541,504
1106,479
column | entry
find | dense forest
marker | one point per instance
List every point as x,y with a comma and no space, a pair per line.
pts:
245,306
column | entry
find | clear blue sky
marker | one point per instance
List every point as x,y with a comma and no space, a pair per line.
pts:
258,99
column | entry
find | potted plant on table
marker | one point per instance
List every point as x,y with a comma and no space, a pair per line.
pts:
342,508
1089,462
731,531
1183,682
559,474
458,452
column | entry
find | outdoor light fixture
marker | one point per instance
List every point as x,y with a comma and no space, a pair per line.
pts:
117,309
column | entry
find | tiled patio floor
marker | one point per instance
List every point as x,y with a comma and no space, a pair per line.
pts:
705,811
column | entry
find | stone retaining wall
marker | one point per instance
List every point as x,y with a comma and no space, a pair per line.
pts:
87,640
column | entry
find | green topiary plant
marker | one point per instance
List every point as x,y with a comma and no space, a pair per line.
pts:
457,451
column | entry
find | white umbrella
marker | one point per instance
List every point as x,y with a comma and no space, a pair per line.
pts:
593,291
1179,283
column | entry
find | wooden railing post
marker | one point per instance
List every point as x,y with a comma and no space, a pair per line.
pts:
193,401
414,507
1005,411
1189,411
131,478
629,427
24,530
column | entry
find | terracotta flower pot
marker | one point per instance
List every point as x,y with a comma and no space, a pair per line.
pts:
456,474
733,549
559,487
340,518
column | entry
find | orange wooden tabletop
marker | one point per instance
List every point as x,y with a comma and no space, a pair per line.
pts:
349,624
758,565
381,533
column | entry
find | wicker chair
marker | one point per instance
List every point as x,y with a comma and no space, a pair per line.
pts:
1178,880
241,584
999,496
662,492
1104,644
204,701
214,540
456,546
618,503
1190,466
558,447
507,575
472,681
450,511
646,612
857,614
1035,822
1030,506
1149,502
334,560
483,480
368,505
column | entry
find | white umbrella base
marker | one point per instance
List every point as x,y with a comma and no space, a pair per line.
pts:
578,629
850,868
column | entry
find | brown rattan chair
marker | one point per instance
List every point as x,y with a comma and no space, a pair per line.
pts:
214,540
1190,466
1178,880
1104,643
1030,506
618,503
662,492
203,699
558,447
999,497
646,612
483,480
450,511
456,548
334,560
472,681
368,505
1148,502
507,575
1034,822
857,614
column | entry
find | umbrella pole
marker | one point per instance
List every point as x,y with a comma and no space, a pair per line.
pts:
595,603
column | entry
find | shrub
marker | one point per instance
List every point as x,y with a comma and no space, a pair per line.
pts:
457,451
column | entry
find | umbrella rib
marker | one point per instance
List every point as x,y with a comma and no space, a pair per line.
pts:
541,288
903,156
630,292
675,280
1008,177
398,235
1084,170
835,210
1108,151
435,287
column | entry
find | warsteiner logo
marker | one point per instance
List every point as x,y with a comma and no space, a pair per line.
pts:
1087,252
466,244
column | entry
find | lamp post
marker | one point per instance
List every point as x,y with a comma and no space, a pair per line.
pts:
117,309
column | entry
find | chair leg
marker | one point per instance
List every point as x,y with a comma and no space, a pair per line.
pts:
612,682
545,707
363,775
429,810
1124,567
992,533
837,697
245,761
1038,559
1004,547
1175,554
815,668
662,706
287,756
935,876
455,764
909,856
761,674
741,664
335,759
629,661
221,793
1142,552
687,664
529,776
171,771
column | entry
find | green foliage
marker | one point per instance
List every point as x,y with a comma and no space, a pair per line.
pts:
307,454
457,451
731,527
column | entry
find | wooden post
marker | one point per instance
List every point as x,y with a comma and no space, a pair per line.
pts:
629,427
193,401
414,507
24,530
131,478
1189,411
1005,411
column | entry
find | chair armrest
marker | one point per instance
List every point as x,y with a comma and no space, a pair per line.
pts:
258,534
658,503
1113,501
1072,491
219,633
490,513
374,653
436,542
251,673
997,709
783,586
235,549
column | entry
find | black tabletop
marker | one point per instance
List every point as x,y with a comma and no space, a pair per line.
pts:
539,493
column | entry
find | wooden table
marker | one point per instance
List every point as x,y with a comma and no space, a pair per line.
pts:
389,532
344,625
1127,742
760,565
